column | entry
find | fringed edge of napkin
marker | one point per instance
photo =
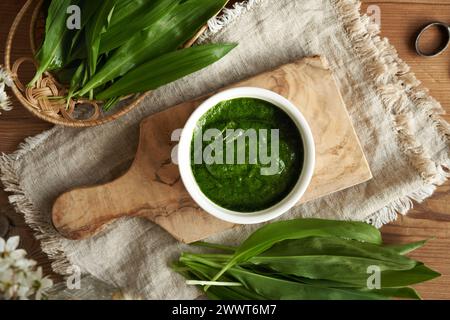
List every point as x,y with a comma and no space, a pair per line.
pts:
398,86
227,17
49,238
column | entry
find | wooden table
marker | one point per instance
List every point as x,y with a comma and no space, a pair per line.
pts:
400,20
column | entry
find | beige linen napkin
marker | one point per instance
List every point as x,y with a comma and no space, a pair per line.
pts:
405,141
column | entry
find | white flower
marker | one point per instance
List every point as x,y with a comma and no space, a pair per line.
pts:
23,292
10,292
5,103
40,284
4,264
10,245
2,245
19,277
18,254
43,285
7,276
24,264
5,77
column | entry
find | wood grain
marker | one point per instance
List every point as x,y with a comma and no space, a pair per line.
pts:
152,188
401,22
401,19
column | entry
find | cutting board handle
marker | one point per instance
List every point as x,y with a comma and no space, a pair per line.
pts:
79,213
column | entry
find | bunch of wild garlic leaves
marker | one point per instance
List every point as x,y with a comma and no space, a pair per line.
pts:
124,47
308,259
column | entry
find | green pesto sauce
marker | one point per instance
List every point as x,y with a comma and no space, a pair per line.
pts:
242,187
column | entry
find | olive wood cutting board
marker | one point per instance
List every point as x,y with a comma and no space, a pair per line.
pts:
152,187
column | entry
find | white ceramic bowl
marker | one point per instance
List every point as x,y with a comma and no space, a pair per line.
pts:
184,157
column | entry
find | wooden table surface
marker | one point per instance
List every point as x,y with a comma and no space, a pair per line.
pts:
400,21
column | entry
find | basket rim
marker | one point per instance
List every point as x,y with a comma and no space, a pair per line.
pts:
61,120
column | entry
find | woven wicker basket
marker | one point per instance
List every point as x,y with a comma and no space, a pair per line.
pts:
42,99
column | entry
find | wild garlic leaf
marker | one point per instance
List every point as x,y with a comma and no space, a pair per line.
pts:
166,35
165,69
328,267
76,81
333,246
205,272
308,259
420,273
55,29
404,292
133,23
126,8
272,287
94,29
407,248
270,234
281,289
